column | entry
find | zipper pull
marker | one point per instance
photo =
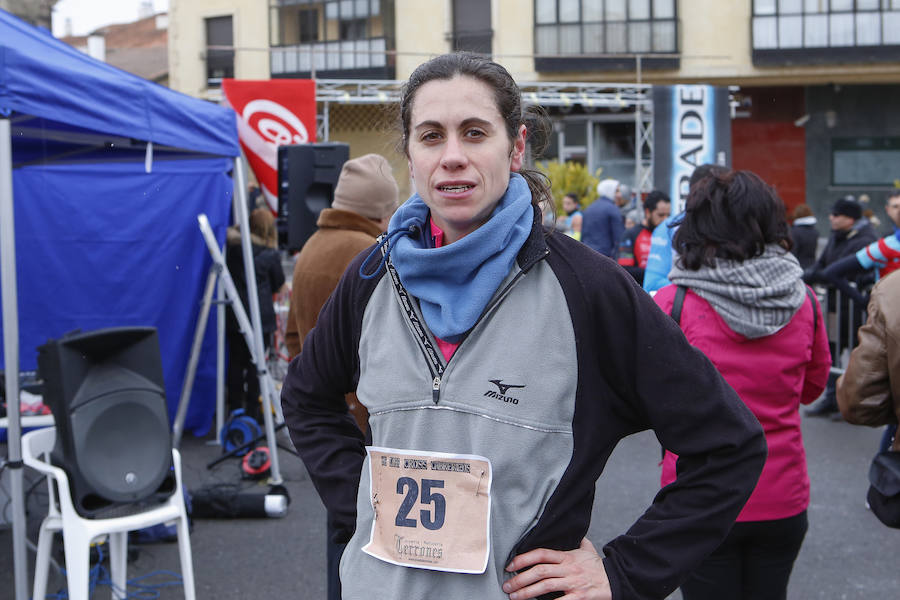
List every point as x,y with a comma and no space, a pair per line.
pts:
436,388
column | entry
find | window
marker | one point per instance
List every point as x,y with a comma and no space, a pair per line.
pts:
864,161
219,61
352,29
472,26
331,38
308,25
812,31
591,28
603,141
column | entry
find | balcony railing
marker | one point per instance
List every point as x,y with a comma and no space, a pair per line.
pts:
366,55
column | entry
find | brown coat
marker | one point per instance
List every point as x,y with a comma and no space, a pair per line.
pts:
324,258
868,393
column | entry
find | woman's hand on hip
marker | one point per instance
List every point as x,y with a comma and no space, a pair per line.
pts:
579,573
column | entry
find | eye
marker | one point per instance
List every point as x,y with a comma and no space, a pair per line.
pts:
475,133
430,136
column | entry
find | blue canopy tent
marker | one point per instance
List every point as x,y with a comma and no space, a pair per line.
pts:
109,172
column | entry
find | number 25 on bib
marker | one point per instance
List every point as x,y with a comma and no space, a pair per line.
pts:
432,509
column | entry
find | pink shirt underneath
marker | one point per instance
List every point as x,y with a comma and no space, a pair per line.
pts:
437,235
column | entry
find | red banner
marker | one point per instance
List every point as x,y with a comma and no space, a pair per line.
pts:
271,113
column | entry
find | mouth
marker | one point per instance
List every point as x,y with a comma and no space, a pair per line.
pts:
456,188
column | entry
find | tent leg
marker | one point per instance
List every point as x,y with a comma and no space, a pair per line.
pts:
220,359
11,358
188,386
255,341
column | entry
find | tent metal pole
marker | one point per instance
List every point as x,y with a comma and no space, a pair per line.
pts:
220,358
188,385
266,388
11,358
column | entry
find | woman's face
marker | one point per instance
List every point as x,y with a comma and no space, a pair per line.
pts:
460,156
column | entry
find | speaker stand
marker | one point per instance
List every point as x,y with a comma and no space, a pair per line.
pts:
252,333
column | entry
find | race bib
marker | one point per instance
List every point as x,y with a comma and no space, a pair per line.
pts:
432,509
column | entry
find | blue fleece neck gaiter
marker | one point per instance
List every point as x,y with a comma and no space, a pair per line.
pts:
455,282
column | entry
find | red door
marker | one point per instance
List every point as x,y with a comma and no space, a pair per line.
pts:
770,144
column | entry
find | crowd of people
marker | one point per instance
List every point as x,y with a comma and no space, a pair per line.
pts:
445,464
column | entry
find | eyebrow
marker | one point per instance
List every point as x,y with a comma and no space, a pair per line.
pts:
465,123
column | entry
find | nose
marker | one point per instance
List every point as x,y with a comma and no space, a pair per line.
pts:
454,155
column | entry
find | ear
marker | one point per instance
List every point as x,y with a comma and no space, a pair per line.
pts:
517,157
409,166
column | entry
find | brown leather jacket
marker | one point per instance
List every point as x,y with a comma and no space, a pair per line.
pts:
868,393
341,236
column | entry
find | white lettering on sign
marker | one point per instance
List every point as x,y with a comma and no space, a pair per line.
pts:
692,144
275,123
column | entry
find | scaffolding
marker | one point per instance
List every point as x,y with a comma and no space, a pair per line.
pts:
591,96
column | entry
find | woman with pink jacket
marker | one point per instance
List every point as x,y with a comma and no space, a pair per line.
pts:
746,307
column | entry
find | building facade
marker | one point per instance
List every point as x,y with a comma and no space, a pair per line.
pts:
814,82
139,47
36,12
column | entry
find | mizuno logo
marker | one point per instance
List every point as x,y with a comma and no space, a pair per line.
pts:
504,388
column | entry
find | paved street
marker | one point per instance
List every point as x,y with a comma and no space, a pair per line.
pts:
847,555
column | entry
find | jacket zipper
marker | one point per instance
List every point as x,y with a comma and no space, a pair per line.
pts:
415,320
435,368
436,389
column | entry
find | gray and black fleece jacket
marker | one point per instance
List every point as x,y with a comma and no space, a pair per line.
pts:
585,357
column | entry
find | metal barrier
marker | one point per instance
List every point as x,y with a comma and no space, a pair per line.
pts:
842,317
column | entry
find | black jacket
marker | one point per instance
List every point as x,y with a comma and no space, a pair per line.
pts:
806,239
841,244
269,279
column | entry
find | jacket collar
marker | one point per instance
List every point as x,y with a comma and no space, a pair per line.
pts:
535,246
335,218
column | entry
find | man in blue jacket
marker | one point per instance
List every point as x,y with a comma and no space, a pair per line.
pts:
602,225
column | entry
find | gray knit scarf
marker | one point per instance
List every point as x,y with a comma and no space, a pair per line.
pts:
756,297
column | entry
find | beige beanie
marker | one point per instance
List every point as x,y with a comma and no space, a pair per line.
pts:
366,187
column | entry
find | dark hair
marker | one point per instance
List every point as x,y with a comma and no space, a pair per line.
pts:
654,198
703,170
732,215
507,97
574,197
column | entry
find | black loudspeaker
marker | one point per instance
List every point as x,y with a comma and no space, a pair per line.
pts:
307,176
105,389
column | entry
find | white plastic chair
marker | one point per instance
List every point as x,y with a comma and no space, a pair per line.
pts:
78,532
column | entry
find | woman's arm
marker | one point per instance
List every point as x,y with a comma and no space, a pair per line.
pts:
637,372
323,431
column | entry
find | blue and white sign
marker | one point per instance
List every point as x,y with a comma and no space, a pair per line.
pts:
692,125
